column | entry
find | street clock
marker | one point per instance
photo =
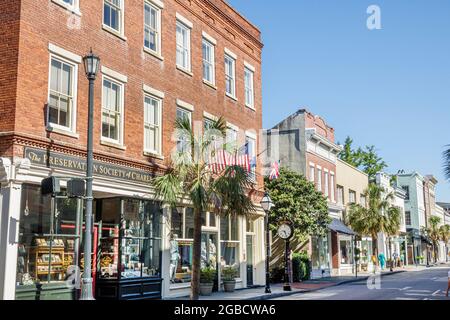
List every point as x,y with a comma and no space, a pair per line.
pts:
285,231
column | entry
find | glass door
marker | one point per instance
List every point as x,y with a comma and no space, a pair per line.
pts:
250,260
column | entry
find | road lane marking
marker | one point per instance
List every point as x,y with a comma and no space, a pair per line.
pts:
420,291
405,288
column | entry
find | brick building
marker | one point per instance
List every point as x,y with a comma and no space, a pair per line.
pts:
305,143
160,59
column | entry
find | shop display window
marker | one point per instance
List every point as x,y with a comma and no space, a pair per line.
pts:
181,243
229,242
346,249
320,257
130,238
48,244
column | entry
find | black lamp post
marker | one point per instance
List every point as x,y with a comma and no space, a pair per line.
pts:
267,205
91,66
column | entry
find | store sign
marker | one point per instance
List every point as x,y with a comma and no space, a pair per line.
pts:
54,160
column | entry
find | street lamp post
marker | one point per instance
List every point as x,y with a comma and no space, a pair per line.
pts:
267,205
91,65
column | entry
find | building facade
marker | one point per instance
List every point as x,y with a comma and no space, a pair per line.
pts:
305,143
394,246
351,185
415,217
160,60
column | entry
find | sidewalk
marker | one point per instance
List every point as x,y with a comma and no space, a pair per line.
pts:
303,287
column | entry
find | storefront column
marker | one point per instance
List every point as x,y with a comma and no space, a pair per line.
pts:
9,232
165,255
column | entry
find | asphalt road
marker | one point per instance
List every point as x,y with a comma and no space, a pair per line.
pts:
429,284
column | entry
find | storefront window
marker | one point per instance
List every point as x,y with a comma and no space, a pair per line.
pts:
366,251
320,258
48,244
136,226
229,242
346,249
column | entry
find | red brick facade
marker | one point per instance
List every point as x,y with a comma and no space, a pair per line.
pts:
24,73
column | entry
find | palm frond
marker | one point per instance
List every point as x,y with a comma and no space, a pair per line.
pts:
168,187
447,163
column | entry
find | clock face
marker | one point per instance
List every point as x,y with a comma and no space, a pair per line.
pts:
285,231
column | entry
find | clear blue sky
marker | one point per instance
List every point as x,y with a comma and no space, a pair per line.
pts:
388,87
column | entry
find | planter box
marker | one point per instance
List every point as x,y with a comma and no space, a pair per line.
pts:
229,286
206,289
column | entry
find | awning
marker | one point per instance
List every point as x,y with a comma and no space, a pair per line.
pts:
338,226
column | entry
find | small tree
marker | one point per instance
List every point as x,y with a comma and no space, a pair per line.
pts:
378,216
432,232
444,232
191,177
297,200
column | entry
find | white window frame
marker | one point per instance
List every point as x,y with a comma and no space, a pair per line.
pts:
107,140
232,59
74,7
188,111
326,182
146,126
157,6
187,26
250,136
312,172
73,60
121,31
212,63
250,90
319,179
333,188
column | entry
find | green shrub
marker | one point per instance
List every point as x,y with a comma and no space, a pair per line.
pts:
277,275
207,275
301,267
229,273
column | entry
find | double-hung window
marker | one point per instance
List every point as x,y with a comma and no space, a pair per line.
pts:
152,124
231,138
62,90
326,184
332,187
182,140
208,61
312,173
351,196
152,27
183,46
319,179
112,111
230,75
72,5
250,146
113,15
249,90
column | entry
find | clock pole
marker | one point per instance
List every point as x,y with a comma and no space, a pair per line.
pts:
287,283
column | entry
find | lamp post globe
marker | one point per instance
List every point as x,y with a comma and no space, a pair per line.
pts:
267,204
91,65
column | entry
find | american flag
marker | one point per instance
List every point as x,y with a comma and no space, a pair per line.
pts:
223,159
275,171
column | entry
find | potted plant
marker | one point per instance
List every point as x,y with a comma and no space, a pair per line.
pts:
207,276
229,278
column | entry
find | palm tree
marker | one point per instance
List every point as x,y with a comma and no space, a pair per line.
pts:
447,162
444,232
378,216
392,227
190,177
432,232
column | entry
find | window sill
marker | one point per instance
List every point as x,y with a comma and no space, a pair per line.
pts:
209,84
250,107
68,7
189,73
231,97
154,54
113,144
64,132
114,32
153,155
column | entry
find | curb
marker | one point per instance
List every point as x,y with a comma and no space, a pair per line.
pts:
290,293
